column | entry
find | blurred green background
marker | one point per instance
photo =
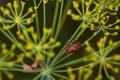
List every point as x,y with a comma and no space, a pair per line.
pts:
68,29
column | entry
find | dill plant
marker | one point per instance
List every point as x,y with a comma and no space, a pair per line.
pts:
38,44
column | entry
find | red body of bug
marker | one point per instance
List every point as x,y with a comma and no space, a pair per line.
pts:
75,46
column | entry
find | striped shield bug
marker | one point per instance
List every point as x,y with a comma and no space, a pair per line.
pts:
73,47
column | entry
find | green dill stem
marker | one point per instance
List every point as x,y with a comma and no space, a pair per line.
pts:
44,15
71,62
55,16
11,17
44,21
18,66
13,69
16,43
94,52
109,58
18,2
63,58
61,76
62,51
62,18
7,56
16,12
100,51
87,8
27,36
21,11
83,7
8,21
48,77
100,69
48,58
12,36
87,75
115,62
109,28
59,20
80,13
117,45
39,3
1,75
26,14
42,78
6,72
44,38
81,45
52,78
68,5
80,33
36,19
38,76
106,72
58,28
91,37
74,69
12,11
80,73
108,50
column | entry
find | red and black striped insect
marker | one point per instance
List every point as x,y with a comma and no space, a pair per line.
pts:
73,47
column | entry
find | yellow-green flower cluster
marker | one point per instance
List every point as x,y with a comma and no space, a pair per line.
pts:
6,61
14,15
71,74
84,11
95,15
102,58
109,6
82,74
39,47
101,24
